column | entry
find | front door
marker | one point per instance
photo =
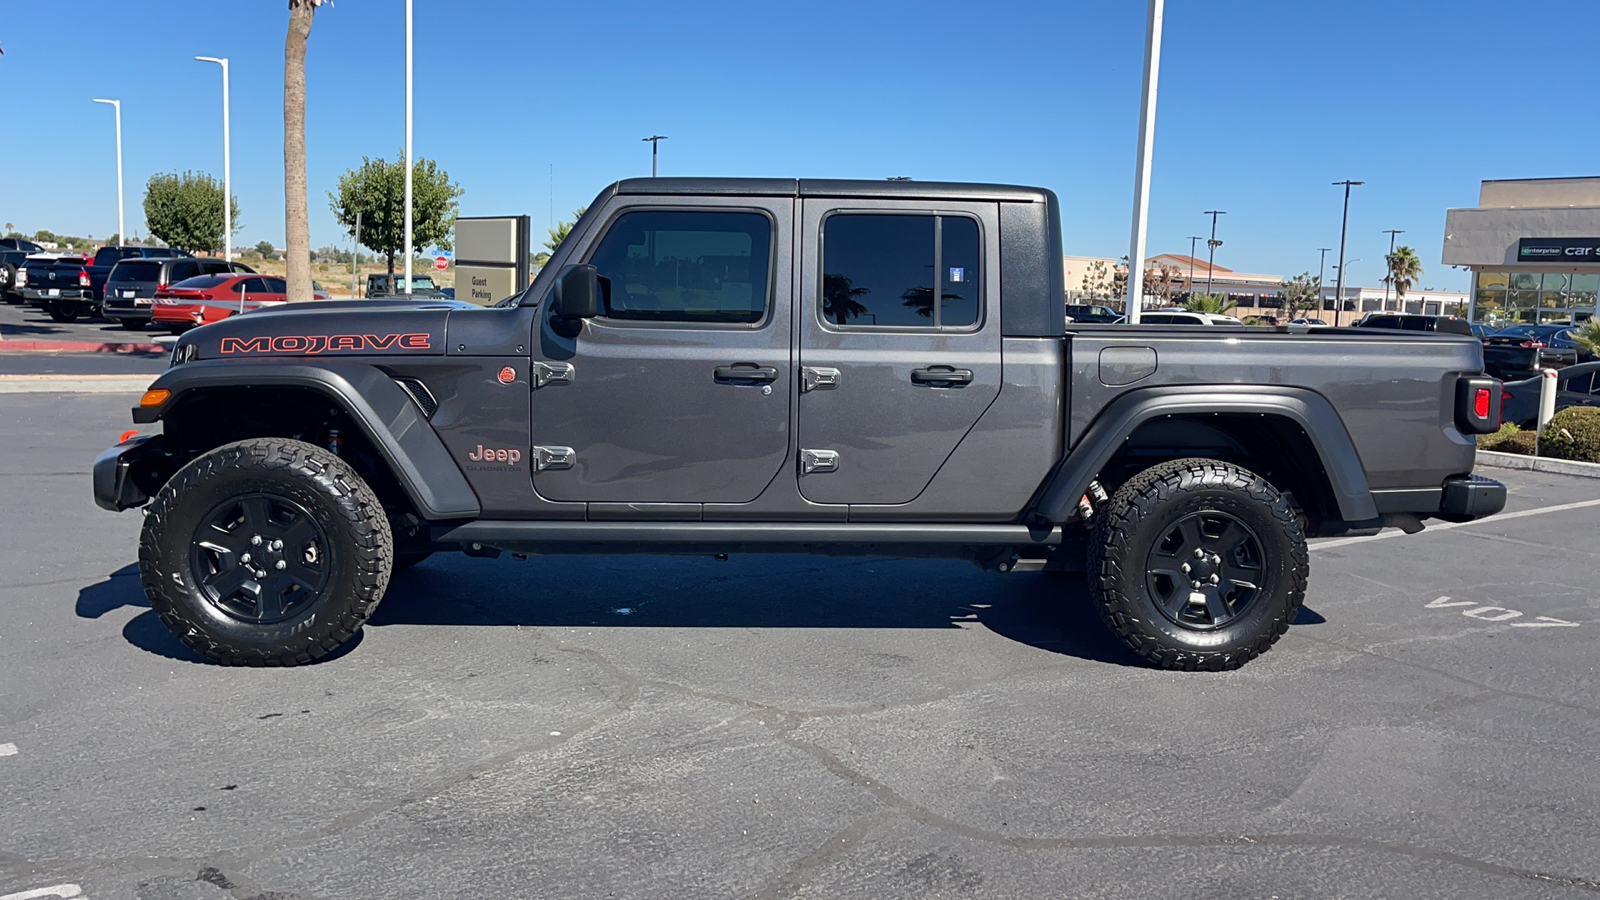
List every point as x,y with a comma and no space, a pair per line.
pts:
899,343
679,391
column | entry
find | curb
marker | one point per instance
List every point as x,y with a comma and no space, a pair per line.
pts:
8,346
1492,460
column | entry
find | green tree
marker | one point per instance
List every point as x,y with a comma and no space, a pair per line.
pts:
557,235
1301,293
1587,336
376,190
1404,270
1096,281
297,217
185,211
265,249
41,236
1210,303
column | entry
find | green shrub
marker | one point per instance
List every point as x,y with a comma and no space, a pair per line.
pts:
1573,434
1509,439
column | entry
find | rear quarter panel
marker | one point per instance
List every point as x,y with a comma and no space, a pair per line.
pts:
1394,391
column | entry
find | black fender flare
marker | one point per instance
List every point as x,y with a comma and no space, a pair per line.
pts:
1118,421
386,414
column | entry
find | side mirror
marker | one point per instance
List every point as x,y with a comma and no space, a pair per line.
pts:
577,293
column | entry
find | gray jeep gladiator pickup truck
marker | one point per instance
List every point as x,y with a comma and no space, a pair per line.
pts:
711,366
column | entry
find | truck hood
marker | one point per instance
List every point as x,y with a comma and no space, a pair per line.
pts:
328,328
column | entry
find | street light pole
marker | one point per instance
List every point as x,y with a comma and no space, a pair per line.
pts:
1147,147
1192,240
1322,273
1338,302
654,141
122,234
1212,245
227,162
409,248
1389,264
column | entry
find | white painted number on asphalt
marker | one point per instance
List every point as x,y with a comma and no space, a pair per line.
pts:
1486,614
63,891
7,750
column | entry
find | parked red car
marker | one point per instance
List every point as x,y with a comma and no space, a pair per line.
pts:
212,298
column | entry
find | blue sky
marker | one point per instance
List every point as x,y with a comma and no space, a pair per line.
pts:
1262,105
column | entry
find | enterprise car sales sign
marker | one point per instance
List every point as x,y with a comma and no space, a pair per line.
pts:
1562,249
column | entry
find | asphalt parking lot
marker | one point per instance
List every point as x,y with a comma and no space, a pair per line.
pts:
796,727
21,322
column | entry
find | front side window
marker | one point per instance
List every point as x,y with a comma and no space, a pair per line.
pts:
686,266
884,270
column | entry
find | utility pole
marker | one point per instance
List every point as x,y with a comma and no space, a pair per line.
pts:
1147,148
227,162
1322,273
1192,240
122,234
409,248
654,141
1213,244
1338,303
1388,262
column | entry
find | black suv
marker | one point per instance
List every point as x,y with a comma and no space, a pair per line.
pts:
132,285
1409,322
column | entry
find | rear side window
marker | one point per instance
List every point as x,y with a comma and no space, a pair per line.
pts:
200,282
1580,384
134,270
686,266
182,270
277,286
885,270
1416,324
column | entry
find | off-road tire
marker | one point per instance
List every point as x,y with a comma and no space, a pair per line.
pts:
133,324
8,284
62,312
1143,510
359,551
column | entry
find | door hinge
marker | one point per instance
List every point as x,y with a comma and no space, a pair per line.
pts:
552,373
553,458
818,461
815,378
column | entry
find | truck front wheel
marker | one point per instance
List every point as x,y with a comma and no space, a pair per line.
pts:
266,552
1198,564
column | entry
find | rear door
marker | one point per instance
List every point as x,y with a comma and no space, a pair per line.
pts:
679,391
892,378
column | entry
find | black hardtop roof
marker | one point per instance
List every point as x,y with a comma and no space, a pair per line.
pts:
826,187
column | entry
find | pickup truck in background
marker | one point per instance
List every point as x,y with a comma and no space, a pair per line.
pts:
10,262
423,287
67,293
46,280
712,366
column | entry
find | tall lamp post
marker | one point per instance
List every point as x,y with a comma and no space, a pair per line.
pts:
409,248
1211,247
1340,271
1343,229
1322,273
1134,302
227,162
1389,264
122,234
654,141
1192,240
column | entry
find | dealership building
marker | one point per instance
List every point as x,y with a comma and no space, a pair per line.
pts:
1533,246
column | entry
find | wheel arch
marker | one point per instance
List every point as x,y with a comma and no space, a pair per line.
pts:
1318,460
273,396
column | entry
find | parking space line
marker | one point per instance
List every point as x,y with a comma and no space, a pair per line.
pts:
62,891
1499,517
8,750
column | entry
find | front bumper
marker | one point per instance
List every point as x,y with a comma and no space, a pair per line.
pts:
128,474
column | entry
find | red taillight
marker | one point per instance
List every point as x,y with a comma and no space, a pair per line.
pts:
83,278
1480,403
161,287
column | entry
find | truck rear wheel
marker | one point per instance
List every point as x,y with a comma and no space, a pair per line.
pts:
266,552
1198,564
62,312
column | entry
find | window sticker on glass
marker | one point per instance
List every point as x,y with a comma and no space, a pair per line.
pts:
958,274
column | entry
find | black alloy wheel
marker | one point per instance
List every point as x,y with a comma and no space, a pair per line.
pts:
1205,570
260,558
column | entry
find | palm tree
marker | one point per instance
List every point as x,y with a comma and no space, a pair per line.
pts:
1210,303
839,303
297,224
1587,336
1404,269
